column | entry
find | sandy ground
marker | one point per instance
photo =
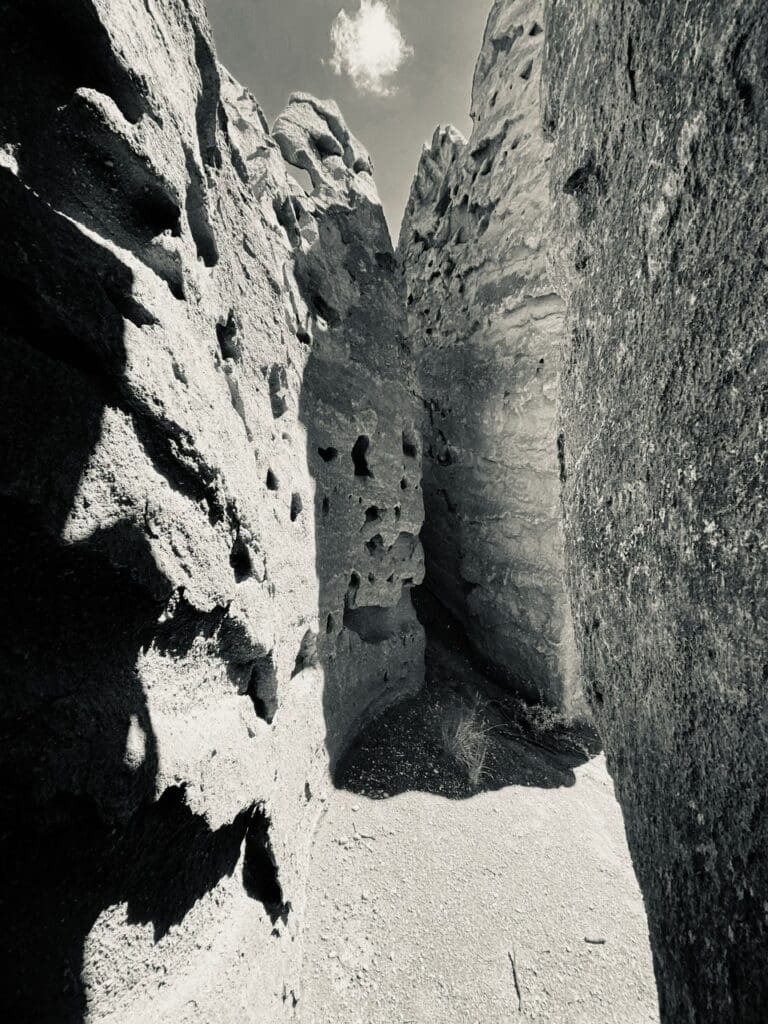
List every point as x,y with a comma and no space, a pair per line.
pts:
421,888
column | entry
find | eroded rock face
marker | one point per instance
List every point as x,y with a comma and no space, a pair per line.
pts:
210,522
658,112
486,326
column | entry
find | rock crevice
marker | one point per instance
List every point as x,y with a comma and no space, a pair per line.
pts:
486,326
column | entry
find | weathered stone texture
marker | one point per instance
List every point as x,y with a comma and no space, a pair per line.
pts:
205,568
659,116
486,326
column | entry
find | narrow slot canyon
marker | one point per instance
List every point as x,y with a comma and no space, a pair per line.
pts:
384,624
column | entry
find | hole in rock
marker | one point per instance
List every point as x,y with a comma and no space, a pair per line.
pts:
197,214
307,656
326,507
352,589
525,74
159,212
325,310
226,334
301,176
372,514
307,792
375,545
410,448
535,29
561,456
631,69
360,456
326,146
505,44
260,874
746,93
579,182
278,382
442,207
329,624
240,560
328,454
272,481
372,624
262,689
304,337
297,506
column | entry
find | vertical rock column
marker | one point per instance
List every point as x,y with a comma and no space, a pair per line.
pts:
359,411
486,326
659,116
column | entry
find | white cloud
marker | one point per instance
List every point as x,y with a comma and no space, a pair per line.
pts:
369,47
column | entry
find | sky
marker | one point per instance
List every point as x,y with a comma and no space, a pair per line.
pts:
397,68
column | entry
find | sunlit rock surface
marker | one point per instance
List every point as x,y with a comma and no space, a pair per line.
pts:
658,115
486,326
210,514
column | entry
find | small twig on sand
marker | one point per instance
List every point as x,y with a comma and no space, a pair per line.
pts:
516,981
361,837
594,942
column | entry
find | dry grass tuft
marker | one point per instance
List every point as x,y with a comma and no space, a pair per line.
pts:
465,739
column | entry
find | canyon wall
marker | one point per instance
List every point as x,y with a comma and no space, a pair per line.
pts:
486,327
210,504
659,117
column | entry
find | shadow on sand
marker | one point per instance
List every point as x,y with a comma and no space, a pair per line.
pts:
405,749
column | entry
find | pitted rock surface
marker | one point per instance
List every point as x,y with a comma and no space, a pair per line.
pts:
486,326
210,524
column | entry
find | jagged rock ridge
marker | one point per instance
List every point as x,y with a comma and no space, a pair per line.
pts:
486,326
211,520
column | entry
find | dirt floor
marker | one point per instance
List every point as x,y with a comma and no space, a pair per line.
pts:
425,889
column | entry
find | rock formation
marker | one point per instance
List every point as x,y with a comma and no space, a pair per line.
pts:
486,327
212,420
659,118
210,506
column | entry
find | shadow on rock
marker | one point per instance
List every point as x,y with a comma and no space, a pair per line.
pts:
502,740
80,827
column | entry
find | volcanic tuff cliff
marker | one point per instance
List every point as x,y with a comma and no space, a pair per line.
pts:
659,116
641,168
210,491
210,506
486,326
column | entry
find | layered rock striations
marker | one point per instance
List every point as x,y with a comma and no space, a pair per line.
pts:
658,115
210,515
486,326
